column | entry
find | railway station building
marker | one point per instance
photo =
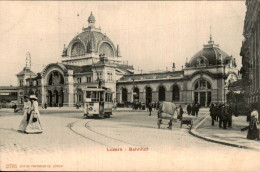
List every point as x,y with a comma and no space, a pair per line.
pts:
91,60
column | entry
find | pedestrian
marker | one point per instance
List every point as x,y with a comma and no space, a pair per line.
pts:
219,114
224,116
197,108
26,114
212,114
45,105
253,132
180,112
34,125
15,107
150,109
189,109
193,109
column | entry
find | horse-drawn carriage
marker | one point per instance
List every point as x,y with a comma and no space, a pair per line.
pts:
169,111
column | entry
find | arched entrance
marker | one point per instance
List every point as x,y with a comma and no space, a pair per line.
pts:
136,94
161,91
148,95
202,92
49,98
124,95
175,93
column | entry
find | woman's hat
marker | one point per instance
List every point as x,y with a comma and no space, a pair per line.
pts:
33,97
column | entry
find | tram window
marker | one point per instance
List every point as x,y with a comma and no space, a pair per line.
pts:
94,96
101,96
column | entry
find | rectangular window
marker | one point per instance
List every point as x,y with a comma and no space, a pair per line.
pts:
88,79
99,75
79,80
109,76
21,82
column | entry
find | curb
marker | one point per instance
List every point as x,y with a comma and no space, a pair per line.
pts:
196,134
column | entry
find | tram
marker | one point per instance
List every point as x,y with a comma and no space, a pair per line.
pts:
98,102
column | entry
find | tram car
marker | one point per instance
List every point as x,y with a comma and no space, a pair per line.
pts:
98,103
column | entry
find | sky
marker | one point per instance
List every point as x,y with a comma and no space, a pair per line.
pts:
152,35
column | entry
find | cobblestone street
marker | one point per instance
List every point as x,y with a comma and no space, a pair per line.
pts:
74,143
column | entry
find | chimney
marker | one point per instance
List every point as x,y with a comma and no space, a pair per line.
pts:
173,67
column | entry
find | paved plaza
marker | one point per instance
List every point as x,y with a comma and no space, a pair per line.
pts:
128,140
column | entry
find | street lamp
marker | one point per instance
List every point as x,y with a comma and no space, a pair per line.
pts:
224,65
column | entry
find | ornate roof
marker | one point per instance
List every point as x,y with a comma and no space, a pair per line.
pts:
210,55
26,71
91,40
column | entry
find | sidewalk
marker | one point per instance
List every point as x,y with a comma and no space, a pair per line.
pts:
232,136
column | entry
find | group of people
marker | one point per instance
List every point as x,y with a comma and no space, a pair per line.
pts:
31,120
223,114
194,109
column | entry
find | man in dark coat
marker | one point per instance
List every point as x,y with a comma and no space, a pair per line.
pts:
212,114
193,109
150,109
189,109
181,112
197,108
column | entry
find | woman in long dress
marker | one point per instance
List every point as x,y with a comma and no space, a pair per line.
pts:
253,132
26,115
34,125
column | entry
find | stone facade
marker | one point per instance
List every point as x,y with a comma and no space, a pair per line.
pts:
90,61
250,52
204,79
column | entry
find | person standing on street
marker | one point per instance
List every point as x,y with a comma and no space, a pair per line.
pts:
26,114
150,109
181,112
193,109
34,126
189,109
197,108
212,114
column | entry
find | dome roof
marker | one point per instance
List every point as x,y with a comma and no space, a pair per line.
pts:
91,40
210,55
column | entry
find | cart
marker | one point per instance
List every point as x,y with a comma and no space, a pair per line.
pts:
166,111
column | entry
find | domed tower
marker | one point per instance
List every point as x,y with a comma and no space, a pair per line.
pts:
86,47
211,55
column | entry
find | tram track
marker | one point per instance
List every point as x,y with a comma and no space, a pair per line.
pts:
88,127
70,125
99,138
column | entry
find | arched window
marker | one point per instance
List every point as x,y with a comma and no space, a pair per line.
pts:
77,49
106,49
148,95
161,93
175,93
124,95
136,94
55,78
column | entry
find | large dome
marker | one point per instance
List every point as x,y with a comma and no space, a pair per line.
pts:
91,40
210,55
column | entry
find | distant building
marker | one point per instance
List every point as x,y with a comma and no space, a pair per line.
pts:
250,52
204,79
8,94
